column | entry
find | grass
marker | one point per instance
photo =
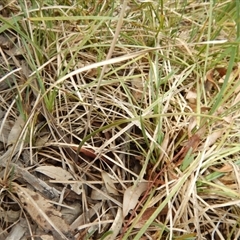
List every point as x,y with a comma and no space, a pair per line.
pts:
100,96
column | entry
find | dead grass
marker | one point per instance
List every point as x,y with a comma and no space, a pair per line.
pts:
119,123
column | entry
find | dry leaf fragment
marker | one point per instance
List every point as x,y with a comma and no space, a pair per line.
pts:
95,195
192,96
9,216
213,76
42,235
192,124
41,141
60,174
15,51
44,213
47,237
57,173
18,231
70,214
137,88
5,132
131,196
191,145
146,215
6,41
38,184
79,222
90,153
212,138
109,183
233,75
76,187
193,142
15,132
116,226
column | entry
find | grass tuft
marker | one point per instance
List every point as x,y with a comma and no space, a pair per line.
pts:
99,98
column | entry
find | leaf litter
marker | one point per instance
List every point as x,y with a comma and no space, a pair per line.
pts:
52,188
131,196
43,213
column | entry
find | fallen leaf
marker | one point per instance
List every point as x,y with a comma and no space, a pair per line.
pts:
212,138
192,124
43,213
76,187
221,71
6,42
41,141
131,196
191,96
71,212
213,76
53,172
46,237
15,132
8,80
109,183
16,51
191,146
193,142
95,195
116,226
5,132
228,119
78,224
146,215
137,88
18,231
233,75
9,216
61,175
89,153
